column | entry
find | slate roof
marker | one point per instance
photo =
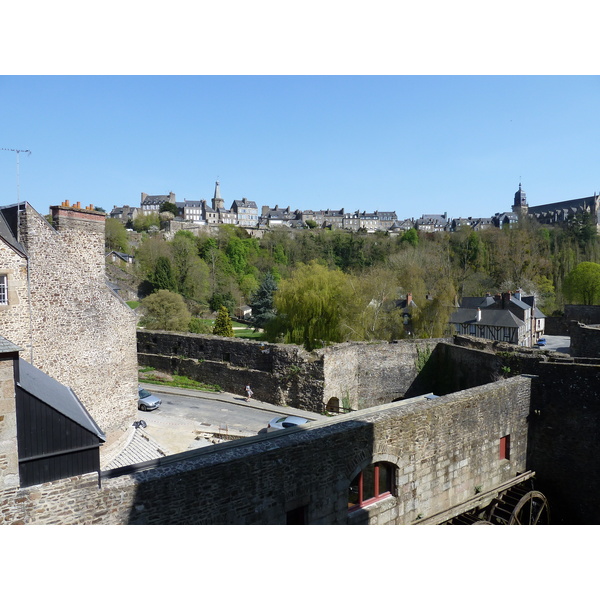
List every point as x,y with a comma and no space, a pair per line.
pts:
244,203
7,346
493,318
477,301
56,395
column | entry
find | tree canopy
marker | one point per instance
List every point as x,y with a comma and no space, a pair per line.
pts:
223,325
165,310
582,284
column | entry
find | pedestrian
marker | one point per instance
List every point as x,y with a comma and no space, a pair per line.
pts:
249,393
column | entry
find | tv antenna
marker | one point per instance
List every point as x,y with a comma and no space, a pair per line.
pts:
17,153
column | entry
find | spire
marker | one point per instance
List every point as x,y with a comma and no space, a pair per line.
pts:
217,195
217,201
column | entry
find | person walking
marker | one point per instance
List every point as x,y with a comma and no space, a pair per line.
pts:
249,393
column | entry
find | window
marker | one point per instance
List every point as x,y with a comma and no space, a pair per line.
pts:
3,289
371,484
505,447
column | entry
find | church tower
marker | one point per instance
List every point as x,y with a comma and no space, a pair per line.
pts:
520,204
217,201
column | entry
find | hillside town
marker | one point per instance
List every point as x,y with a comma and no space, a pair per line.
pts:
245,213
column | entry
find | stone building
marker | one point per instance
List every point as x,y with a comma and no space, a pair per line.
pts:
61,313
557,213
152,204
506,317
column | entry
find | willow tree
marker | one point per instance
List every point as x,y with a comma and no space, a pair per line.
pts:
311,306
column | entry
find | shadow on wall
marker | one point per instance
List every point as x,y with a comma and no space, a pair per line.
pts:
272,479
564,440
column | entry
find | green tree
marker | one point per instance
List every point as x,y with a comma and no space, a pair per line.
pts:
192,273
223,326
115,236
169,207
163,278
145,222
411,237
217,300
582,284
311,307
165,310
199,326
262,303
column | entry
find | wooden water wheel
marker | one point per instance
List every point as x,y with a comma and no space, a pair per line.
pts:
520,505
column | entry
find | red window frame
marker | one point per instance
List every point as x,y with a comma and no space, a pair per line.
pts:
357,487
505,447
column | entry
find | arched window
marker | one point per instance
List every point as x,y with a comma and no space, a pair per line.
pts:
373,483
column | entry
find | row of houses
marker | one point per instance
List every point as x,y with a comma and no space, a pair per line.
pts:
245,213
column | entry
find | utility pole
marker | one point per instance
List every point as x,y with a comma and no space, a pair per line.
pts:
17,152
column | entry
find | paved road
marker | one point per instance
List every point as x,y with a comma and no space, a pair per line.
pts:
185,415
558,343
212,412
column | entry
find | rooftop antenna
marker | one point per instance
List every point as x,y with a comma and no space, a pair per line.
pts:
17,152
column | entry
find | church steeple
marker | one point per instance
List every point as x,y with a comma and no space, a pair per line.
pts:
520,204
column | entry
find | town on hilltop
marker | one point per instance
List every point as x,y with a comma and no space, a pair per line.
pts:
245,213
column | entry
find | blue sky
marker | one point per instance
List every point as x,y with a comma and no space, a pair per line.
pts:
412,144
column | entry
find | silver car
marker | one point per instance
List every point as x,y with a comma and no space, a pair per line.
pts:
286,422
147,401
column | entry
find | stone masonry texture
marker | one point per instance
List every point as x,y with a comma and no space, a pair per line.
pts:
443,450
65,318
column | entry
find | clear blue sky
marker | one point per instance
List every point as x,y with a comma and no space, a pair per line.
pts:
413,144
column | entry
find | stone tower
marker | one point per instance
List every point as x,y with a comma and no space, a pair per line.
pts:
217,201
520,203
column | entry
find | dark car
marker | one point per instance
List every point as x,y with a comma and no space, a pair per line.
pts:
541,342
147,401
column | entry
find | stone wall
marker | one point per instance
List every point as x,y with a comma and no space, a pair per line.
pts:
370,374
585,340
444,451
582,313
564,439
573,312
67,320
9,459
15,321
357,375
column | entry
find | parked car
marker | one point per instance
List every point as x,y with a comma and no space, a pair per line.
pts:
541,342
147,401
286,422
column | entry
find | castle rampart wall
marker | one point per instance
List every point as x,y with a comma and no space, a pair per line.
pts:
359,375
585,340
445,451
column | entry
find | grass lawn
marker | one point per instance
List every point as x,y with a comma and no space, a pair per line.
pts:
240,330
146,376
